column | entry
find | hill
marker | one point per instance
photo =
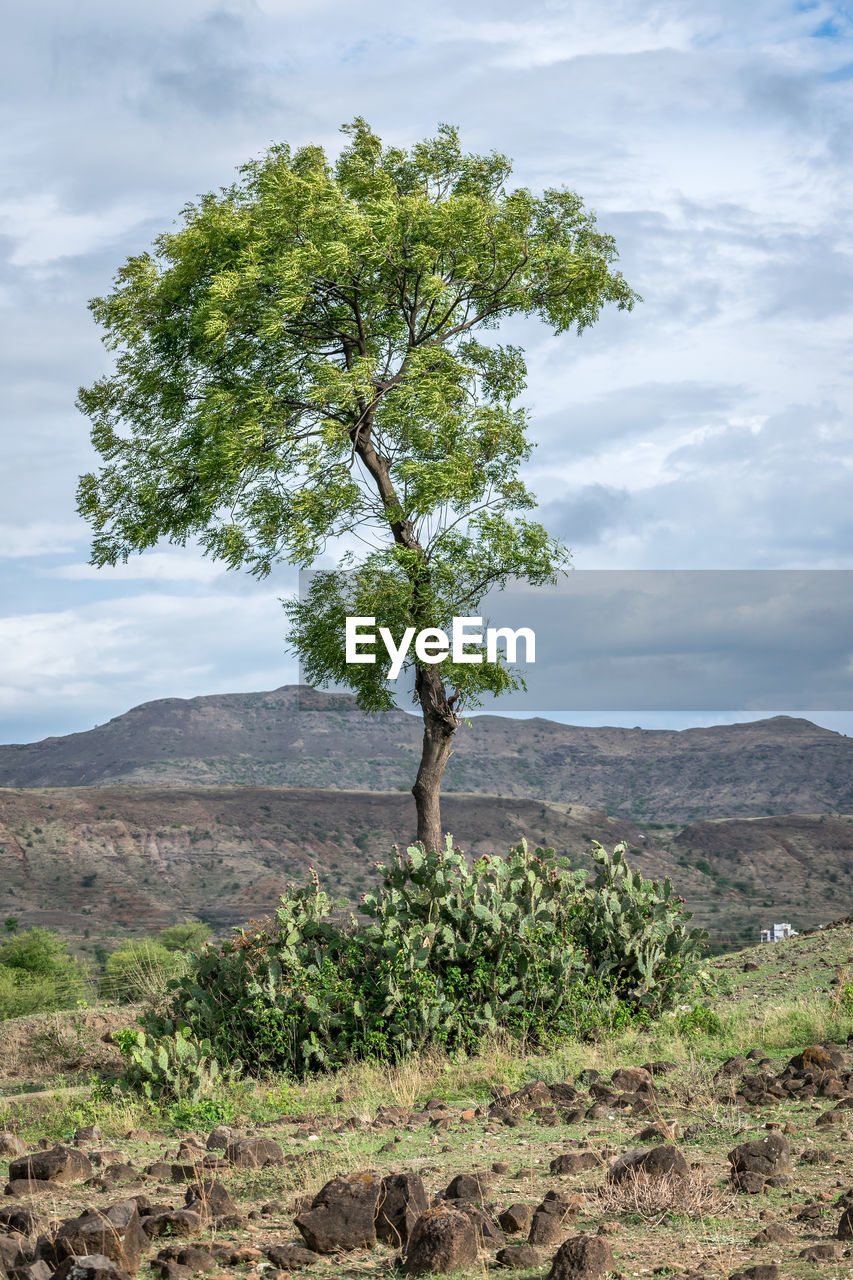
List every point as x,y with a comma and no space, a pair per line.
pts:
302,738
92,861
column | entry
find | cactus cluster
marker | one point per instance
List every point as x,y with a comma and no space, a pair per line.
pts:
444,952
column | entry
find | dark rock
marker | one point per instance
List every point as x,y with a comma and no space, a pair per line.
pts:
197,1258
632,1080
342,1214
38,1270
582,1258
546,1229
291,1256
442,1239
469,1186
88,1133
254,1153
652,1162
519,1257
516,1218
23,1220
172,1222
219,1138
817,1057
845,1226
94,1266
575,1162
751,1184
773,1233
11,1146
212,1202
761,1271
770,1156
115,1232
821,1252
402,1200
60,1164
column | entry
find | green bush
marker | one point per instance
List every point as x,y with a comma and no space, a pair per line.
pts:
172,1068
139,970
449,953
38,974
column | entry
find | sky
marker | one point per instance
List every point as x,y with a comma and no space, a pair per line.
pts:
708,429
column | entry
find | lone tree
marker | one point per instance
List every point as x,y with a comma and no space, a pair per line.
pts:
297,364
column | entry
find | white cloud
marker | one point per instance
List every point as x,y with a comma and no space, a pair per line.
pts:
38,539
154,566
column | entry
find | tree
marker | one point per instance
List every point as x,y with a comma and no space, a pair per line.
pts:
297,366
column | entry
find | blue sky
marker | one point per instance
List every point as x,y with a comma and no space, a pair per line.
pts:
710,428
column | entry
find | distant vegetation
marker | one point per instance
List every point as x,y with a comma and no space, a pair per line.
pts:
40,974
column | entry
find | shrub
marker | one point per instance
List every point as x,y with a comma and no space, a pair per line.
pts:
38,974
171,1068
139,970
449,953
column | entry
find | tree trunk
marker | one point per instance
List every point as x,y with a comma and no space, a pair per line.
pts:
440,724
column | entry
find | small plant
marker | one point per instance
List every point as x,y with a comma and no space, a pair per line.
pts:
171,1067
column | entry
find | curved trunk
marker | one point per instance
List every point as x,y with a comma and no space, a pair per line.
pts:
440,724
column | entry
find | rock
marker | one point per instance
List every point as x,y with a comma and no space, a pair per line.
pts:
93,1266
442,1239
342,1214
115,1232
817,1057
519,1257
769,1156
60,1164
254,1153
652,1162
546,1229
11,1146
575,1162
761,1271
212,1202
287,1256
469,1186
845,1226
159,1170
516,1218
172,1222
775,1233
632,1080
219,1138
582,1258
38,1270
22,1220
402,1200
665,1130
751,1184
821,1252
88,1133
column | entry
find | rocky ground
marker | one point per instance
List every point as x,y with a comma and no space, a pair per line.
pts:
586,1163
654,1170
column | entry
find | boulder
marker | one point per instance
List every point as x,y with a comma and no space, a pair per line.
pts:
442,1239
219,1138
342,1214
11,1146
769,1156
845,1226
582,1258
546,1229
520,1257
254,1153
290,1256
402,1200
212,1202
115,1232
516,1218
172,1222
575,1162
59,1164
94,1266
469,1186
632,1080
87,1133
650,1162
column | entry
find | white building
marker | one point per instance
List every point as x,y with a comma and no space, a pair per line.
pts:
778,933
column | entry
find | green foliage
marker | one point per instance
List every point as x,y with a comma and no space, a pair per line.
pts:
298,362
139,969
38,974
203,1114
449,953
189,936
174,1067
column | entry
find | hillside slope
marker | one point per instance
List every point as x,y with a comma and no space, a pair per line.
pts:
300,738
132,859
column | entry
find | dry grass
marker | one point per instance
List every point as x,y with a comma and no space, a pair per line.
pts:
652,1199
